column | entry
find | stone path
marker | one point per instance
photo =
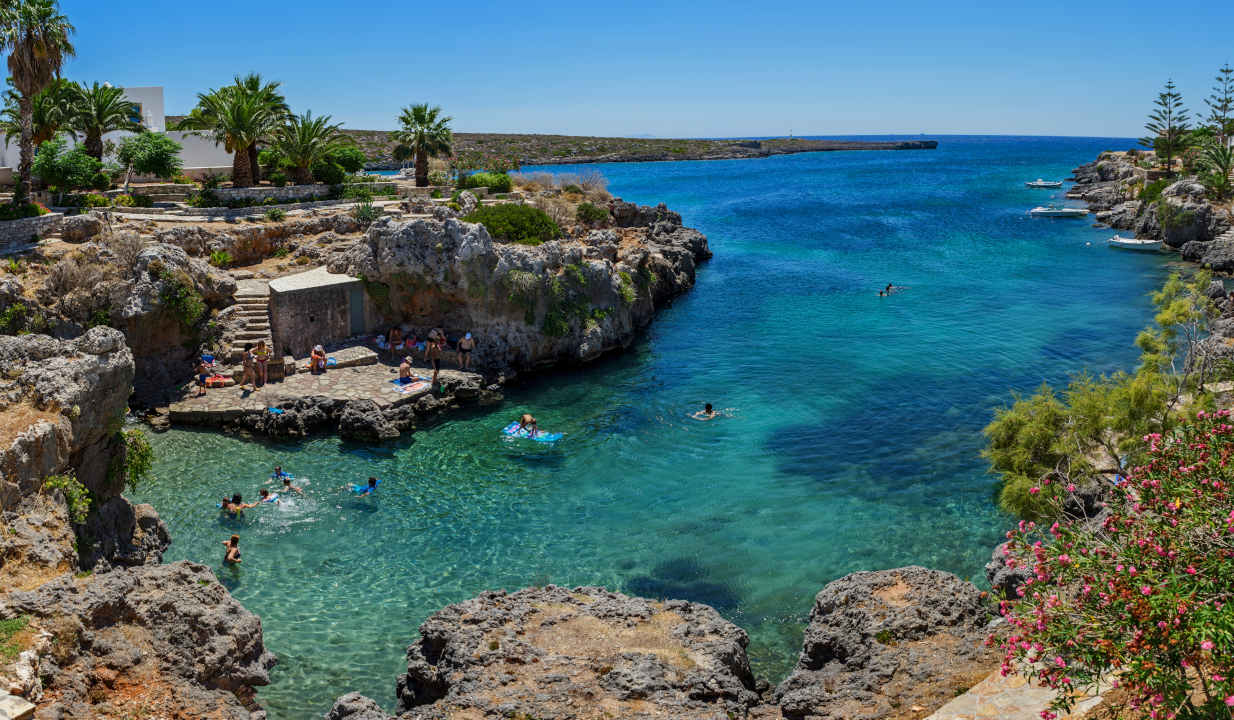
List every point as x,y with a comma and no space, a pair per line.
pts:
340,385
1007,698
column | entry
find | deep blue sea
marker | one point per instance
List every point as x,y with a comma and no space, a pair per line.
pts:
850,438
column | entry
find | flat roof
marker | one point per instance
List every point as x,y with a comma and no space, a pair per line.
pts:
312,280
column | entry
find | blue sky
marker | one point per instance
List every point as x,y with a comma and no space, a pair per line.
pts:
678,69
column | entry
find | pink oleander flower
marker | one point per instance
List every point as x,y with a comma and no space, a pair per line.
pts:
1034,491
1146,590
1230,701
1207,645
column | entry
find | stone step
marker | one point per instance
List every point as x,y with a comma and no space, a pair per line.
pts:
262,326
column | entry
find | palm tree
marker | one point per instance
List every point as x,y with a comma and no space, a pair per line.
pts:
426,134
304,140
402,154
97,110
36,36
255,84
1220,158
236,120
51,107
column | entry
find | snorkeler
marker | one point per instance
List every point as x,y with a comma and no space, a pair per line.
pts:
528,423
707,413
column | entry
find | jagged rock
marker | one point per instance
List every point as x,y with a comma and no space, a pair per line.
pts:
454,273
11,290
87,381
909,635
125,535
298,417
629,215
537,651
362,419
37,544
249,243
80,228
354,706
1217,255
174,620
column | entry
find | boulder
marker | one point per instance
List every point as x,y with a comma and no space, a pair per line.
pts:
629,215
125,535
37,544
354,706
173,624
298,417
909,636
537,652
1217,255
80,228
363,420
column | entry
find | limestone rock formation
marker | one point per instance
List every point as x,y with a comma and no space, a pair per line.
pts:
80,228
1005,580
562,300
37,544
363,420
171,631
548,652
253,243
124,534
908,636
354,706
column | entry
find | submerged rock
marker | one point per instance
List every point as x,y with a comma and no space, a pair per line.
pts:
909,636
545,652
354,706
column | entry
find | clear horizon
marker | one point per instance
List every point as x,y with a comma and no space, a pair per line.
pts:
680,70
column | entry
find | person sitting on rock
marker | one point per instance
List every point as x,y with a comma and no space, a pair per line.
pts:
395,339
465,346
231,555
317,360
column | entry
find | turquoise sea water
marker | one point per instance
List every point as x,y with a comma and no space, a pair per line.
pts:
851,439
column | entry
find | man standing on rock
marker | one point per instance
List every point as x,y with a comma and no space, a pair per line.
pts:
434,356
465,346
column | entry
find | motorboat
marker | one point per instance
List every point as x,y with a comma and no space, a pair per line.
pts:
1133,243
1056,211
1044,184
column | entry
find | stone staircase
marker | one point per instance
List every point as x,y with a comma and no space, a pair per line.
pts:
1227,235
253,299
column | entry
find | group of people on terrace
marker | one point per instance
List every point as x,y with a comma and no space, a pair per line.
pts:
433,347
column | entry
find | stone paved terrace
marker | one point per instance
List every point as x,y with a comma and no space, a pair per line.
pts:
1007,698
339,384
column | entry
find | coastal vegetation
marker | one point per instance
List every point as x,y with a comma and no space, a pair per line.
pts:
237,117
424,133
522,224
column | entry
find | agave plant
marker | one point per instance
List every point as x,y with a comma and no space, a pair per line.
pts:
220,258
36,36
365,212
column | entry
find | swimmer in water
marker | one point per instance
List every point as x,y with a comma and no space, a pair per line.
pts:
366,489
529,423
707,413
278,474
267,497
235,506
287,486
231,555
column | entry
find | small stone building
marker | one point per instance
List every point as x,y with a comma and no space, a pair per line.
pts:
318,308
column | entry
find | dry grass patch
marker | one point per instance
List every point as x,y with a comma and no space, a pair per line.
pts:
20,418
594,639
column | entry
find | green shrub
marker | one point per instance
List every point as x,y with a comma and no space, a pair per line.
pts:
210,181
588,213
350,192
10,650
9,211
350,158
495,182
524,291
131,459
1152,191
125,201
278,179
100,318
555,324
522,224
220,258
96,200
270,201
328,173
100,181
205,199
454,206
436,195
627,289
276,215
179,299
75,494
573,190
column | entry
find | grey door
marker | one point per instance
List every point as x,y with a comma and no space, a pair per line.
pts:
357,311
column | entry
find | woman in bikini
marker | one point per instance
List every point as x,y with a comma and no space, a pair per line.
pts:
231,556
250,362
262,355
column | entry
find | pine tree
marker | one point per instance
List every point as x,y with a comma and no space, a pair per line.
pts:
1169,127
1221,103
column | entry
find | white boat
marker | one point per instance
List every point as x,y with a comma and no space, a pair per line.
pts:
1056,211
1044,184
1133,243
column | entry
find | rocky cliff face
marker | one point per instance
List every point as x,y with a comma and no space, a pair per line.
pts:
169,638
552,652
879,641
1111,185
527,306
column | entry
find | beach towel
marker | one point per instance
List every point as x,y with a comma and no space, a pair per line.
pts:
216,381
331,361
417,384
275,411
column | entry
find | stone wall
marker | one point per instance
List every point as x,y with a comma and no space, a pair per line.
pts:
255,210
300,319
21,232
290,191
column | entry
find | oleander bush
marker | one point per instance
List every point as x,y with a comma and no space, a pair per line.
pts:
1146,599
522,224
94,200
9,211
141,201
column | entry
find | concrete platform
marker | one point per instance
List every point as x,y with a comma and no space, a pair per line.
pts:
371,381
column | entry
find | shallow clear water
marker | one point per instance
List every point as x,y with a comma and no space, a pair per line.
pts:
851,441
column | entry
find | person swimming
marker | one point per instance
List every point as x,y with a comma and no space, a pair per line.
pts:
231,556
278,474
287,486
366,489
528,423
707,413
235,506
267,497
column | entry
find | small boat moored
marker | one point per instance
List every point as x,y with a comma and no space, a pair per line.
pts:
1056,211
1044,184
1133,243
